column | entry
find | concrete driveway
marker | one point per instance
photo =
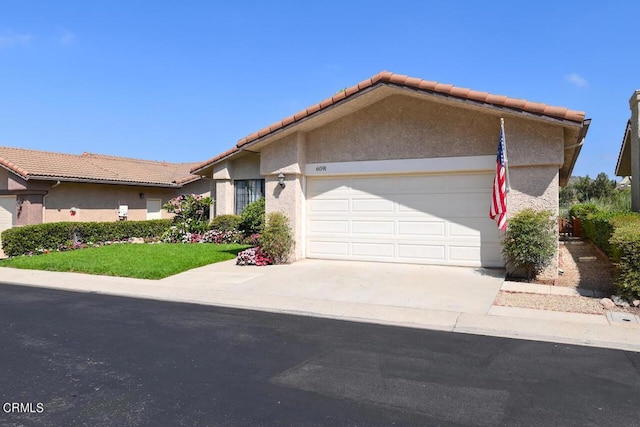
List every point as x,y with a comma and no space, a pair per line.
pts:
454,289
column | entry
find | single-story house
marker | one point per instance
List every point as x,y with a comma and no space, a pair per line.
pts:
39,186
629,158
399,169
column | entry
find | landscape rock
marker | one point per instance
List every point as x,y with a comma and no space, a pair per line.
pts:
636,303
137,240
607,303
620,302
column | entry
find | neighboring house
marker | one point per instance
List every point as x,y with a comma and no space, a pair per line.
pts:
624,183
39,186
398,169
628,164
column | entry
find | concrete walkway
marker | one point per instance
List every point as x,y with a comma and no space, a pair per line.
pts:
431,297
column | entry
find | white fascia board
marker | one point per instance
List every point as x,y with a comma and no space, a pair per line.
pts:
433,165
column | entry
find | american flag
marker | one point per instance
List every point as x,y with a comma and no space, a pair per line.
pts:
499,196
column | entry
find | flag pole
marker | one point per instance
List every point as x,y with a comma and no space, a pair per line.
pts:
506,161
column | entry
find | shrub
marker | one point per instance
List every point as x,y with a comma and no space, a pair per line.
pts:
253,256
626,240
276,240
581,210
529,242
225,223
65,235
252,218
598,227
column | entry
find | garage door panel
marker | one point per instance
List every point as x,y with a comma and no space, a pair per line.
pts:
439,205
323,186
470,183
329,248
433,253
371,205
329,205
384,228
473,228
329,226
429,219
464,253
416,185
378,250
464,231
380,185
422,228
491,255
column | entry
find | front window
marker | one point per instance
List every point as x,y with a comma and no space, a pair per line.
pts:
248,191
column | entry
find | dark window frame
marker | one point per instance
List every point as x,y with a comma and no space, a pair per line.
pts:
246,191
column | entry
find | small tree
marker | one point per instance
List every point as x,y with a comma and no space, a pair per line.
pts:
276,240
529,242
191,212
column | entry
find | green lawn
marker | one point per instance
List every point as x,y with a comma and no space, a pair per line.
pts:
130,260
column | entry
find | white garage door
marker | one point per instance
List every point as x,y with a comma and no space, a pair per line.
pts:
424,219
7,212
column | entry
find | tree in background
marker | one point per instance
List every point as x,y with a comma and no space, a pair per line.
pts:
602,187
583,189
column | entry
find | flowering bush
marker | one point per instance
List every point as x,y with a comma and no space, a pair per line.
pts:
217,236
191,212
253,256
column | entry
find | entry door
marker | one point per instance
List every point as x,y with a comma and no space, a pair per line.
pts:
154,209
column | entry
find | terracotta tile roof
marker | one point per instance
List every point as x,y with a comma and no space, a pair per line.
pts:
389,78
217,158
89,167
427,86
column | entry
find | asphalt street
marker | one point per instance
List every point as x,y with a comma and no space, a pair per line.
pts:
83,359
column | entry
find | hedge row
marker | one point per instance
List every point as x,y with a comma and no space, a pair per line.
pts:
60,235
617,234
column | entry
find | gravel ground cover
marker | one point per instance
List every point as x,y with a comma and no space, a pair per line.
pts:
583,267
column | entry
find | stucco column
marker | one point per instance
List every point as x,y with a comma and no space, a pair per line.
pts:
290,201
224,197
635,152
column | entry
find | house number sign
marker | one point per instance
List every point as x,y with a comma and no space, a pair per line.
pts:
321,168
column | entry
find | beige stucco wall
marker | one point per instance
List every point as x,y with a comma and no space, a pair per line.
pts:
287,156
402,127
99,202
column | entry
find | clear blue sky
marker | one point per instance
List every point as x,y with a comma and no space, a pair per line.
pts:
184,80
